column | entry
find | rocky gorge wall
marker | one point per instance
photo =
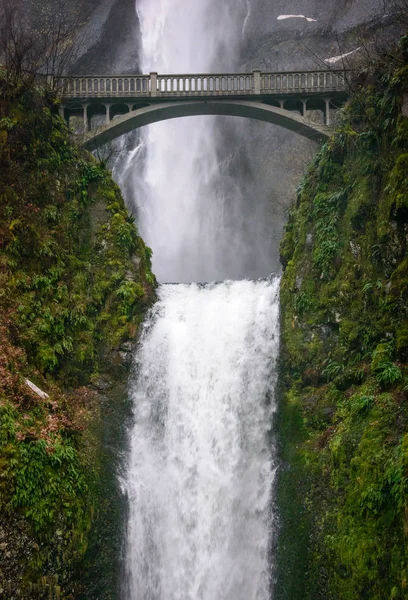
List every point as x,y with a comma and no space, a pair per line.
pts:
343,421
75,281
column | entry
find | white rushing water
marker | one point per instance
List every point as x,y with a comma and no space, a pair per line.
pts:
200,472
187,205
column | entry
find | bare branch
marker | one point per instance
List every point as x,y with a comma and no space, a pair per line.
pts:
44,39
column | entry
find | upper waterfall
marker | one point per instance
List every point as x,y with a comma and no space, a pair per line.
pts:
187,204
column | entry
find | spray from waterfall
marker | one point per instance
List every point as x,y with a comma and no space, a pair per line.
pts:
201,469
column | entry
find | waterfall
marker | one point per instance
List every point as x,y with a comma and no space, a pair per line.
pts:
201,463
187,204
200,469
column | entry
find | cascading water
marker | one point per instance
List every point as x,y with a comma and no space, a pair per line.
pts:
201,469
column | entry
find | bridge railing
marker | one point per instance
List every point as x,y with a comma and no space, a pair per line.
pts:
239,84
104,87
312,81
204,84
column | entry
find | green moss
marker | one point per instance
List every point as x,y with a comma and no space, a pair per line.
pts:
344,305
75,281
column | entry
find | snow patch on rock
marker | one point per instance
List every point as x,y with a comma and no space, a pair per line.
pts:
334,59
283,17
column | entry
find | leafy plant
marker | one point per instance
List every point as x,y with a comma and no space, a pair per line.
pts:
388,373
333,370
362,403
129,292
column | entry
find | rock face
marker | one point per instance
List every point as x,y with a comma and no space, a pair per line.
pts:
112,37
275,159
343,418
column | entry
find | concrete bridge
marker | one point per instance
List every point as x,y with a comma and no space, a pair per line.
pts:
128,102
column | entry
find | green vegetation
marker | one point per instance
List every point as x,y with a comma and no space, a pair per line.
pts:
75,281
344,299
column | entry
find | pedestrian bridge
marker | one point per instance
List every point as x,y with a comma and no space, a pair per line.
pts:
127,102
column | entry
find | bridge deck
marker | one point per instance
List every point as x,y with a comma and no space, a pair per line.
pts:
235,85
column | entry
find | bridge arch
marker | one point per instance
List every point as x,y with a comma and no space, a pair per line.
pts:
172,110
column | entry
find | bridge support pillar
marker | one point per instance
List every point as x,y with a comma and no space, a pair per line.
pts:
86,120
257,82
107,108
327,113
153,84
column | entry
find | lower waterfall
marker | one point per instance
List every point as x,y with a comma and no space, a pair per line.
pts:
201,464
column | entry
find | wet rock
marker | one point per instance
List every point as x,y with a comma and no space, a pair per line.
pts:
404,109
101,383
325,332
310,401
126,346
328,411
136,260
355,249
